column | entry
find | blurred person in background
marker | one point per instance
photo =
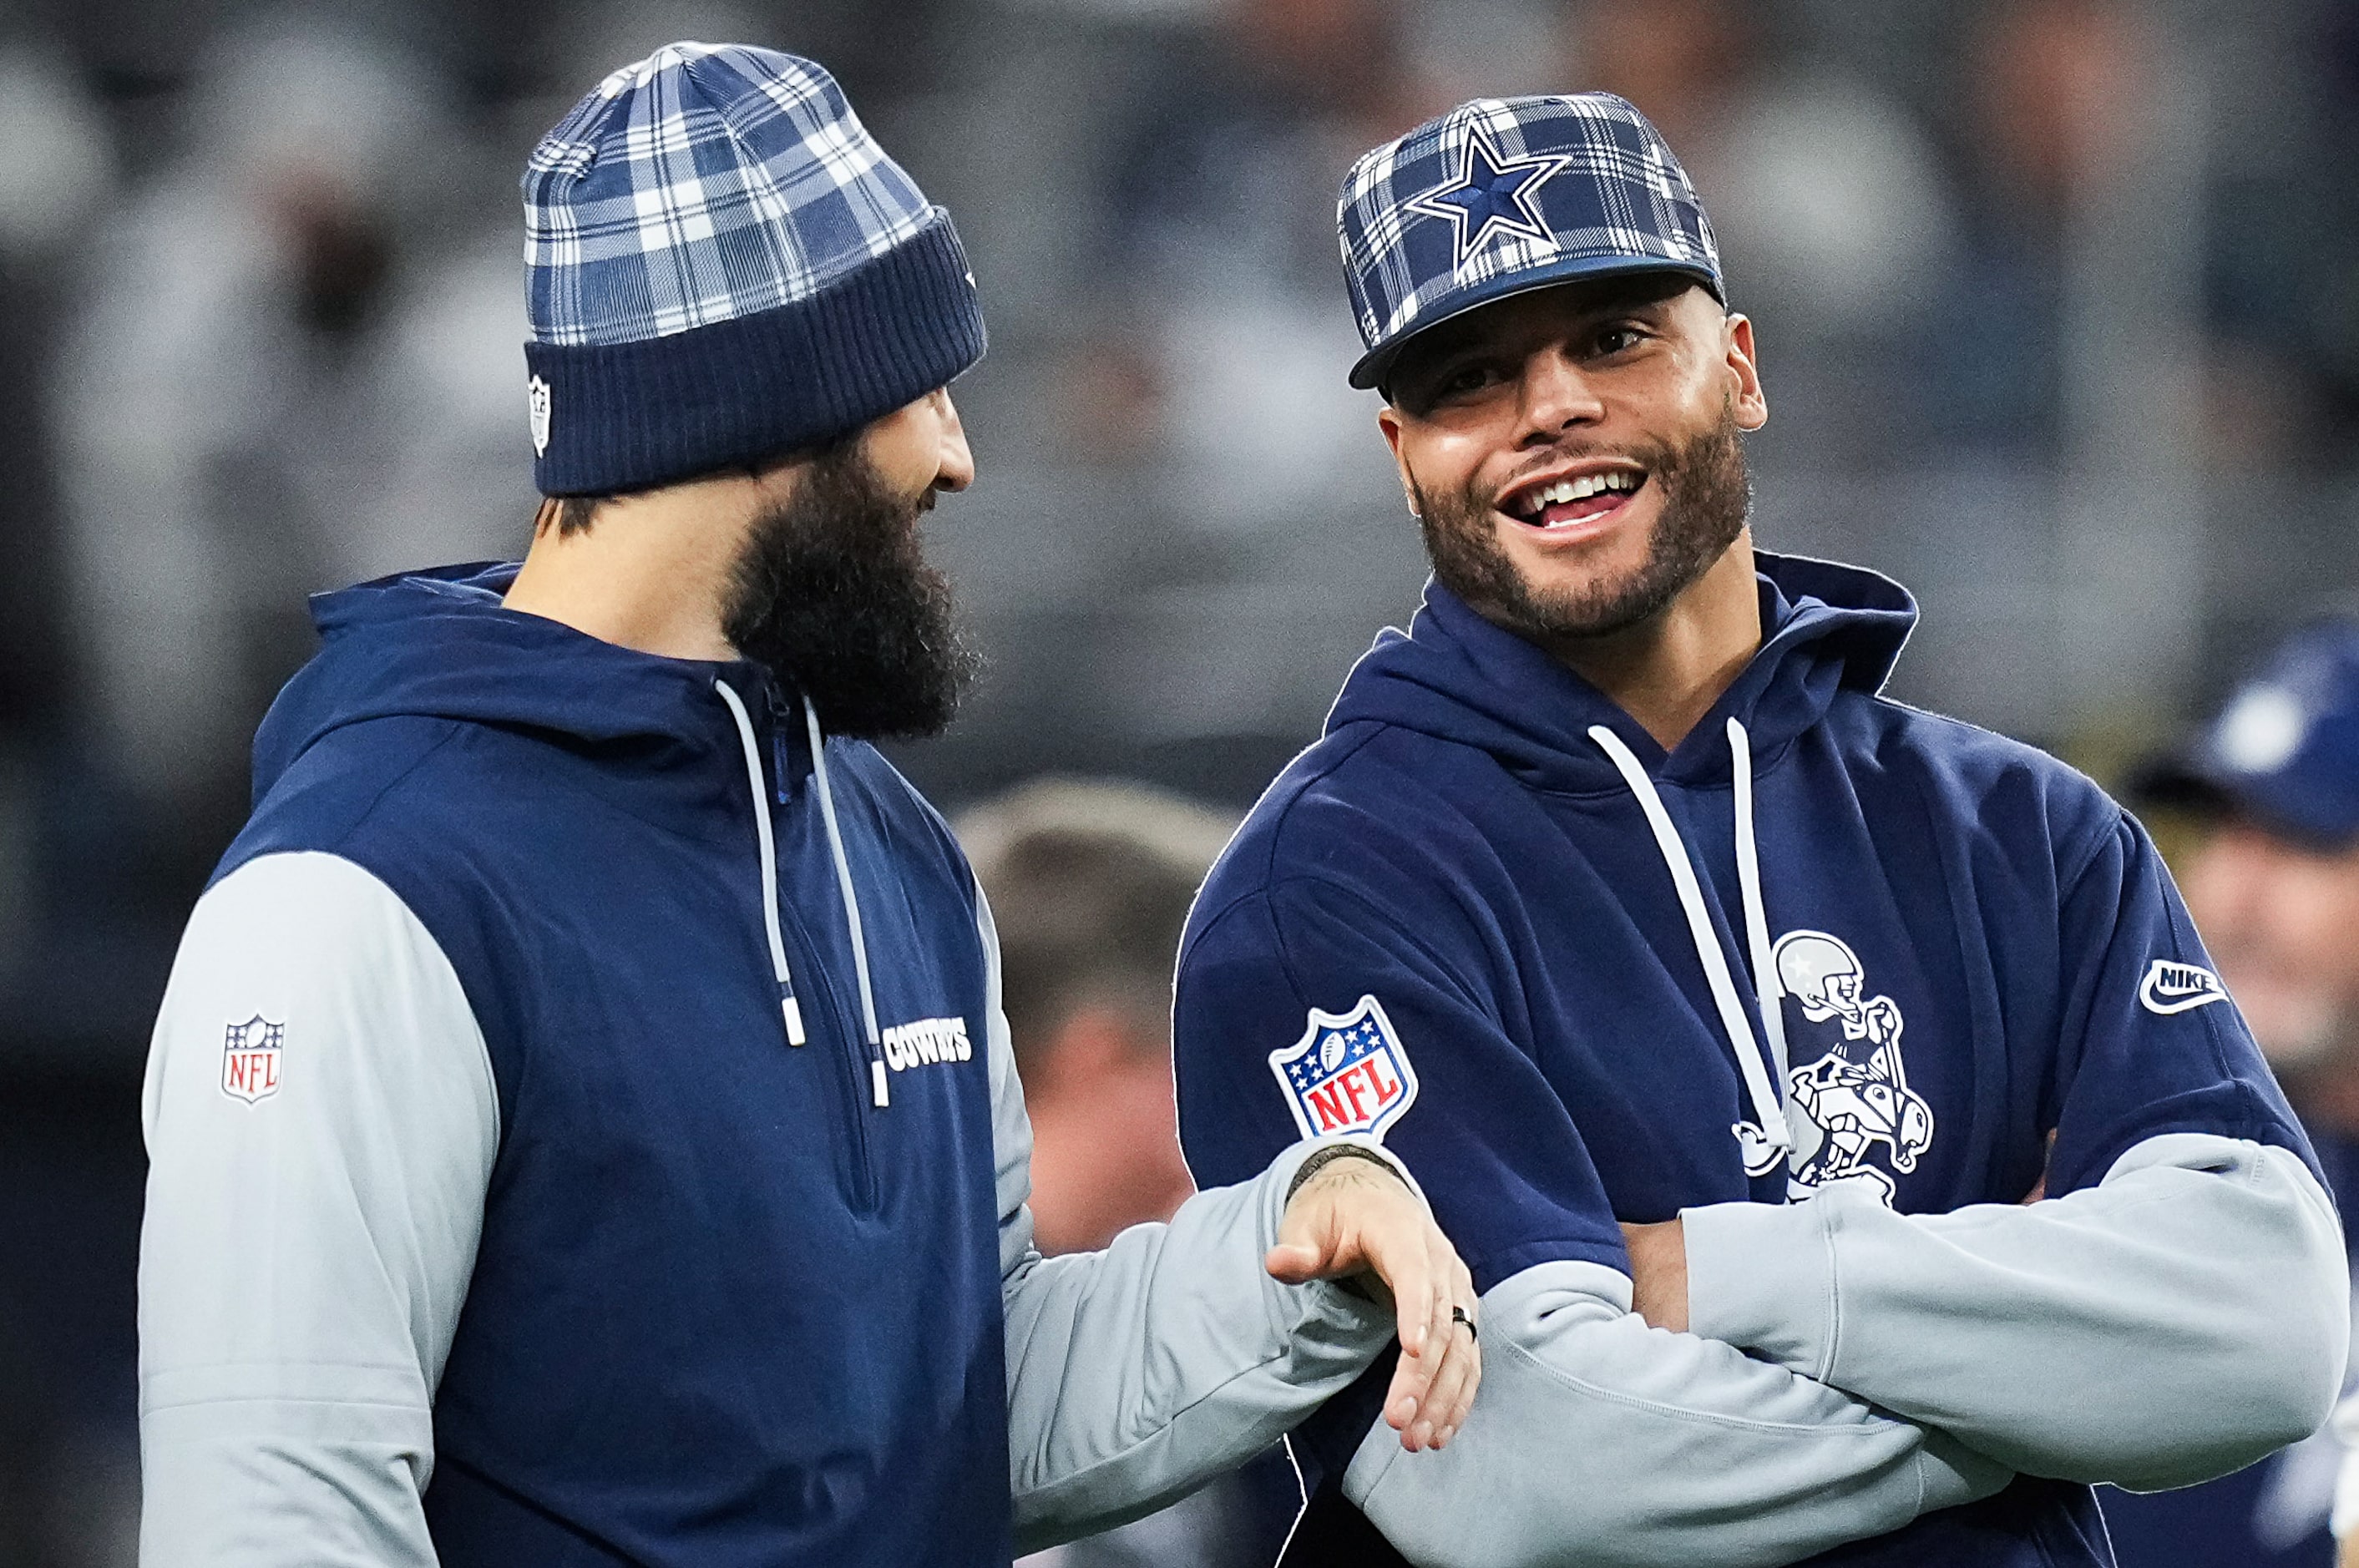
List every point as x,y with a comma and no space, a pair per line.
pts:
2055,110
283,377
2274,886
1213,321
1228,270
1090,884
1819,180
69,1458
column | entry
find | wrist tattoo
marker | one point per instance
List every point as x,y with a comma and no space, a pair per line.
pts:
1321,1159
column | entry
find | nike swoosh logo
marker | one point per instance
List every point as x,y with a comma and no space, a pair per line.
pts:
2173,987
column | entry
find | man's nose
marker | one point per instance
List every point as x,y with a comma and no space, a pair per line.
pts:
957,469
1557,396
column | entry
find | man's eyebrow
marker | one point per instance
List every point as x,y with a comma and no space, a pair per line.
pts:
1440,355
1629,304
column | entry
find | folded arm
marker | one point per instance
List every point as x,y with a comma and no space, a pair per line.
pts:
1602,1443
1596,1441
2180,1319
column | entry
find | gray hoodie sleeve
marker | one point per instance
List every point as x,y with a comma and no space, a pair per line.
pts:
320,1123
1137,1374
1601,1443
2180,1319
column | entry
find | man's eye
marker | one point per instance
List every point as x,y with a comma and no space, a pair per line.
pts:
1613,339
1468,378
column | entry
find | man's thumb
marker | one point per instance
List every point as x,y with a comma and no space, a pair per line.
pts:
1292,1261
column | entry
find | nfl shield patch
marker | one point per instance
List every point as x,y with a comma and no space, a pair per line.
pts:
1347,1073
536,392
250,1060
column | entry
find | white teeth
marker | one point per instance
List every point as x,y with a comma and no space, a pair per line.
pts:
1564,490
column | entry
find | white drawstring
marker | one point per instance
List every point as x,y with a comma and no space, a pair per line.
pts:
876,1078
786,1004
1765,988
1769,1140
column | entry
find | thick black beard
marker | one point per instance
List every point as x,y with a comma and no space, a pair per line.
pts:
833,593
1707,495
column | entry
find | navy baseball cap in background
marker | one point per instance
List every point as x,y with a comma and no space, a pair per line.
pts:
1503,195
2284,751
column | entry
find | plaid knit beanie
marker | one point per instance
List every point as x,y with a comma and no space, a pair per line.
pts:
722,265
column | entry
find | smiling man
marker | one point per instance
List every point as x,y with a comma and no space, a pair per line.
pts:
1869,1057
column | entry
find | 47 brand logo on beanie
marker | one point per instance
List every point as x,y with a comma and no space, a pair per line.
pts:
722,265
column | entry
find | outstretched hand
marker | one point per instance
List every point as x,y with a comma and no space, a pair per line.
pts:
1356,1217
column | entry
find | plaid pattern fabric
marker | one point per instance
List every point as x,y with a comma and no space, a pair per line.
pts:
723,268
1504,194
703,184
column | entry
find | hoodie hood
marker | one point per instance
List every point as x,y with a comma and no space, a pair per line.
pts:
438,644
1826,628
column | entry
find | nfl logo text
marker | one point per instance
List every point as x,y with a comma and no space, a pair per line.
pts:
1348,1073
250,1059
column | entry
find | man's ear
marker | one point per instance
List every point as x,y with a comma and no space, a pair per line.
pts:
1388,420
1748,400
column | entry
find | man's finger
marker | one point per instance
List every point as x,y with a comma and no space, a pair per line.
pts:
1444,1341
1410,1407
1464,1342
1402,1262
1404,1400
1451,1394
1406,1267
1437,1331
1292,1262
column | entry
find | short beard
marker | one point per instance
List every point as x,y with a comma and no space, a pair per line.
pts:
832,592
1706,498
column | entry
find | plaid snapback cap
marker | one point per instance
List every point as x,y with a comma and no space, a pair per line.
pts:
1503,195
722,265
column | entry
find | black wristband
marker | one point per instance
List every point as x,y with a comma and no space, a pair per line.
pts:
1321,1158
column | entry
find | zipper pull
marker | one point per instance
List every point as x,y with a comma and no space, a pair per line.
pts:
776,702
877,1083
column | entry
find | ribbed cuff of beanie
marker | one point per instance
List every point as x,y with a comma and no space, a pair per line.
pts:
632,416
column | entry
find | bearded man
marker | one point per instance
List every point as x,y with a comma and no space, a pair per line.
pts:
583,1122
1856,1153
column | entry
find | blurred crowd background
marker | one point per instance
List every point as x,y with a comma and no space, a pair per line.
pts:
2057,312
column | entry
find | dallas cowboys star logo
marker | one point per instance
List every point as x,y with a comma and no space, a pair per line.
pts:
1491,196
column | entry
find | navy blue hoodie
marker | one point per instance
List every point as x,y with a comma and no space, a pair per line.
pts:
1450,922
725,1308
